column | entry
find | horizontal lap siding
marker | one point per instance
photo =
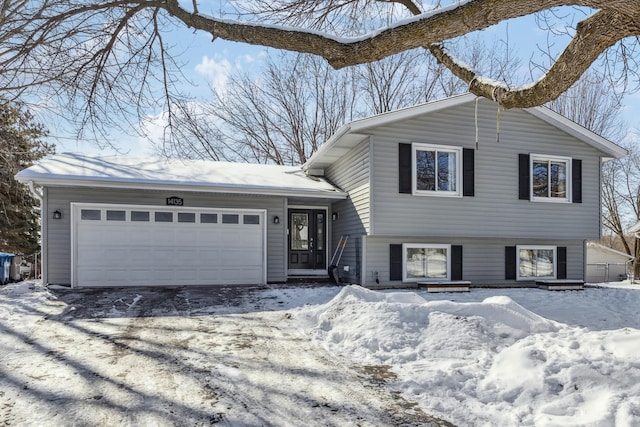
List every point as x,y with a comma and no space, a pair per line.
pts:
483,259
495,211
58,239
351,174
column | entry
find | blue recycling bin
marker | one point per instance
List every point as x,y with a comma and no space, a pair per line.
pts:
5,267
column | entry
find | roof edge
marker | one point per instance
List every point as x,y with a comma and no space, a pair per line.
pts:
203,188
578,131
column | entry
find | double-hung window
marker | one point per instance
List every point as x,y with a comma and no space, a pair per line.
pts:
550,178
536,262
436,170
424,262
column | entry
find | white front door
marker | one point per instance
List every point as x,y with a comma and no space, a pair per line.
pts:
117,245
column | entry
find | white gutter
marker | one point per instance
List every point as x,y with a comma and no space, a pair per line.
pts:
201,188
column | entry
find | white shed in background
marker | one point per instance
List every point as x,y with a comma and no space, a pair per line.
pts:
605,264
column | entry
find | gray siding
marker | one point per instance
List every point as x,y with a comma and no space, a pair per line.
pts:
483,259
352,174
57,239
495,211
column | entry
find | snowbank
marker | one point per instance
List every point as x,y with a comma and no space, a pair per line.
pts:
486,363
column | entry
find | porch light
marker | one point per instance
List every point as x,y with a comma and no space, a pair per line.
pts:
334,216
57,214
276,219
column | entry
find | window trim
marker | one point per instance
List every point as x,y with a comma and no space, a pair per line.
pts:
406,246
420,146
569,178
537,247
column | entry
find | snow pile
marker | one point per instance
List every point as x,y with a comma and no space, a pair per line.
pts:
23,298
486,363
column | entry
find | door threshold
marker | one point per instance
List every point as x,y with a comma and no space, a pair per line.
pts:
306,273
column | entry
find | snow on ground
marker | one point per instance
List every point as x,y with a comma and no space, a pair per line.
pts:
320,356
567,359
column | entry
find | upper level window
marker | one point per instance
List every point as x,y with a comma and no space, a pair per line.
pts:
437,170
550,178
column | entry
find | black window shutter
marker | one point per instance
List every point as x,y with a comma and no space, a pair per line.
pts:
524,188
456,262
510,263
395,262
468,172
562,262
404,168
576,180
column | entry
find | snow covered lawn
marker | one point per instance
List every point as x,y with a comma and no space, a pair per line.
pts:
329,356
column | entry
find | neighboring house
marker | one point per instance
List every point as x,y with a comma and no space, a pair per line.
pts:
605,264
444,191
635,230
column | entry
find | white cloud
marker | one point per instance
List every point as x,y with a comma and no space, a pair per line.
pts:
216,71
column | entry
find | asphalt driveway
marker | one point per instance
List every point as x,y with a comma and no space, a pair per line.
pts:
183,356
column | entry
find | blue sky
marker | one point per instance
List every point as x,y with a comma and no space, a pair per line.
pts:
210,63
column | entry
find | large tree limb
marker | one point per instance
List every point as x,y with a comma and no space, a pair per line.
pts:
423,30
615,21
51,45
593,36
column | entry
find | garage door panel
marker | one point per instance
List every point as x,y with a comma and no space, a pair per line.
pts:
123,253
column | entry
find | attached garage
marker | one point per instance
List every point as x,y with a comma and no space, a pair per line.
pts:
141,221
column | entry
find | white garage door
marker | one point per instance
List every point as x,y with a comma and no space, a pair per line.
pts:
118,245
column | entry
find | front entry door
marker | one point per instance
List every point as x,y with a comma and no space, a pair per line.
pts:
307,239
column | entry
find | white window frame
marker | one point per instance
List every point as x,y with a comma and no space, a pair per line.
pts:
417,146
537,247
406,246
547,158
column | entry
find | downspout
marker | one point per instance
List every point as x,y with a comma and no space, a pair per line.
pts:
37,194
40,196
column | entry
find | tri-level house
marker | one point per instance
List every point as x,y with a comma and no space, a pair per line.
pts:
452,190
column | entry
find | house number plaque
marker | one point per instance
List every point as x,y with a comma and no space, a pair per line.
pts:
174,201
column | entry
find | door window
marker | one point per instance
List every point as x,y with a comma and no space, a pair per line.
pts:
299,231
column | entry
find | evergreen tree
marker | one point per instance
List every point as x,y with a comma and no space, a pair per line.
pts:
21,144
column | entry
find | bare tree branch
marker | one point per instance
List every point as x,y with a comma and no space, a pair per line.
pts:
110,56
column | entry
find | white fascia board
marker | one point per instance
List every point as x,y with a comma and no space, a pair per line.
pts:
229,189
634,228
328,145
409,112
580,132
357,129
607,249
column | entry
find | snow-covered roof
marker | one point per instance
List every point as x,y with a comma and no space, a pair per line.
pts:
598,246
634,229
72,169
349,135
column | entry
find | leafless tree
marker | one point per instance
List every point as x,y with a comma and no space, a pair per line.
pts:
621,199
283,114
116,55
592,103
